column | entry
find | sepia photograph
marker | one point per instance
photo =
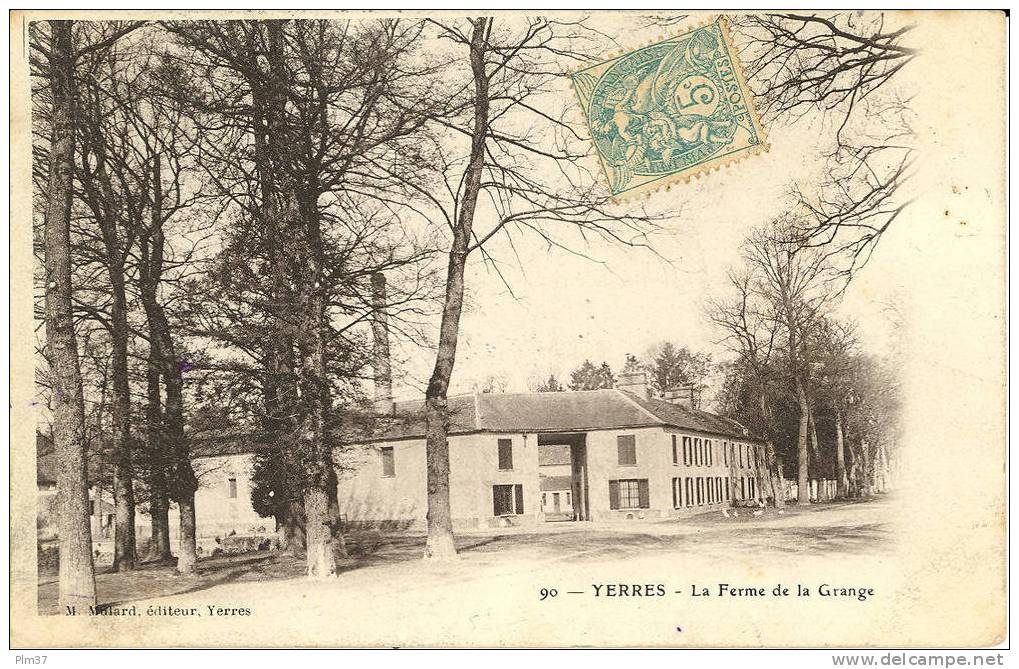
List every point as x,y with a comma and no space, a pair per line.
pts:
509,329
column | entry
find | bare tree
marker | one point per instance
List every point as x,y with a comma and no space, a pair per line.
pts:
835,343
491,151
785,286
751,331
99,138
840,70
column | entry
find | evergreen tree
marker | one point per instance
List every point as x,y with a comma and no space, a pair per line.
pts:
589,377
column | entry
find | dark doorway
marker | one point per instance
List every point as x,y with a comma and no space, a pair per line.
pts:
564,481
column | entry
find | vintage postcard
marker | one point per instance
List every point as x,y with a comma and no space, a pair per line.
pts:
508,329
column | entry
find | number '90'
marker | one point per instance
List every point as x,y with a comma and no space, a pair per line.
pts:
547,592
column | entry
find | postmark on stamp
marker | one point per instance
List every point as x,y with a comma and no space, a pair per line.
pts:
670,110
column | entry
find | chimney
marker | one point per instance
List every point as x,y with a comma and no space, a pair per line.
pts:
380,354
686,396
632,379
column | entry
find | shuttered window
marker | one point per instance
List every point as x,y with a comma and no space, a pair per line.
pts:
689,491
686,451
709,451
232,484
505,454
629,494
627,447
675,451
507,499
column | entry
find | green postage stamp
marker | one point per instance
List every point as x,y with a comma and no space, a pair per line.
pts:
670,110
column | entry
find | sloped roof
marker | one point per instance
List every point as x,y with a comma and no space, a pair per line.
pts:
555,483
409,418
554,454
576,411
680,416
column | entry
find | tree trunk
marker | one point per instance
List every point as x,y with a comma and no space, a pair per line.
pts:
187,553
159,502
775,481
295,200
440,545
76,581
104,202
124,551
841,476
182,482
866,471
159,545
803,455
815,448
854,470
335,520
292,535
320,557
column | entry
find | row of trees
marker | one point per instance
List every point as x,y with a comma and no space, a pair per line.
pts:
800,378
215,201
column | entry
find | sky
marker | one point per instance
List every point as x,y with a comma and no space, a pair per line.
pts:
564,309
561,309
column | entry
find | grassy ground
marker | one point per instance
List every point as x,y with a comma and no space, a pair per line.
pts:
830,530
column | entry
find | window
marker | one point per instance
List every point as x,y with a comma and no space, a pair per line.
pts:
725,453
689,491
727,487
568,502
677,493
675,451
700,490
388,466
544,500
232,483
708,447
718,489
741,455
508,499
732,453
686,451
505,454
743,487
698,453
707,490
627,446
752,483
629,494
91,507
